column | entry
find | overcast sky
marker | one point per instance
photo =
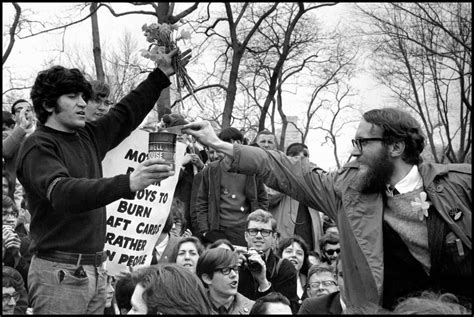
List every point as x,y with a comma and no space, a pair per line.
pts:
29,56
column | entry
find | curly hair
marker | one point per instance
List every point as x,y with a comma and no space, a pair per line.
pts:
54,82
431,303
398,126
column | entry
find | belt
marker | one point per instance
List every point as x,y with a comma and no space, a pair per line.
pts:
74,258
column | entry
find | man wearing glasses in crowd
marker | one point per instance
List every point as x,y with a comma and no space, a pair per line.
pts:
218,269
404,225
321,281
98,105
263,271
327,286
9,296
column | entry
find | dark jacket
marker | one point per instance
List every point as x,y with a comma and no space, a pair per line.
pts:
185,187
283,280
168,251
329,304
360,216
23,264
208,198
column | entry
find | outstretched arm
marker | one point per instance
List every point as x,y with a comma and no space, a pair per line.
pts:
204,133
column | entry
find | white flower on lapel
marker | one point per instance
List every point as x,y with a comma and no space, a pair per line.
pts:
420,205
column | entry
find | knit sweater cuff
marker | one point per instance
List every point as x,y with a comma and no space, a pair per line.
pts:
123,187
159,76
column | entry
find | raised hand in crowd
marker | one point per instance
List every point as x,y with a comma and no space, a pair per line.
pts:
26,121
259,275
194,159
11,241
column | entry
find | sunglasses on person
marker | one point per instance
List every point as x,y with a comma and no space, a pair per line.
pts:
331,251
8,297
226,270
263,232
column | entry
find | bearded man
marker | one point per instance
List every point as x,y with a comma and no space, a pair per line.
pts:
405,226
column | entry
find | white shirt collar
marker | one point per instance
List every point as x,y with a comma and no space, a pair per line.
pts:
343,305
410,182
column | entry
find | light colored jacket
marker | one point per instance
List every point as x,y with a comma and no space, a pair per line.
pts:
285,212
359,216
242,305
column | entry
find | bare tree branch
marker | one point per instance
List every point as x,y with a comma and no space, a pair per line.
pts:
12,32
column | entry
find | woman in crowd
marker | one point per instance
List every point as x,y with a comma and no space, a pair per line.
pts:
110,303
296,251
186,253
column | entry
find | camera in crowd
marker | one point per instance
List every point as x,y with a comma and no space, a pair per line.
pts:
253,265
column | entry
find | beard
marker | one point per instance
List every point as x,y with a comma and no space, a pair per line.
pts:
380,170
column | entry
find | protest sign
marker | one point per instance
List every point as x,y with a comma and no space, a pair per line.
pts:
134,225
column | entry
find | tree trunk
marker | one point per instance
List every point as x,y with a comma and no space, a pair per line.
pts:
232,89
97,52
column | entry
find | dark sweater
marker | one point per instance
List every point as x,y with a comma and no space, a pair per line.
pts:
283,280
71,216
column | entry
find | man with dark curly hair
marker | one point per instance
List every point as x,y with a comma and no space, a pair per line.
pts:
404,225
59,166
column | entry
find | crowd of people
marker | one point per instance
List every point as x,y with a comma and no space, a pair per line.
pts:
251,230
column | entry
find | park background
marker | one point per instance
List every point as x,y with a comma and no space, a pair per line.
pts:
306,71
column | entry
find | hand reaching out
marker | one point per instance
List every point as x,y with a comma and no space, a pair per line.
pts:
203,132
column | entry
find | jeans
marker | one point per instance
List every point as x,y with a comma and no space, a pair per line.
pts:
53,288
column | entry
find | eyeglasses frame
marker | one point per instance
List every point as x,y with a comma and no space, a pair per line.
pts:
269,232
357,142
